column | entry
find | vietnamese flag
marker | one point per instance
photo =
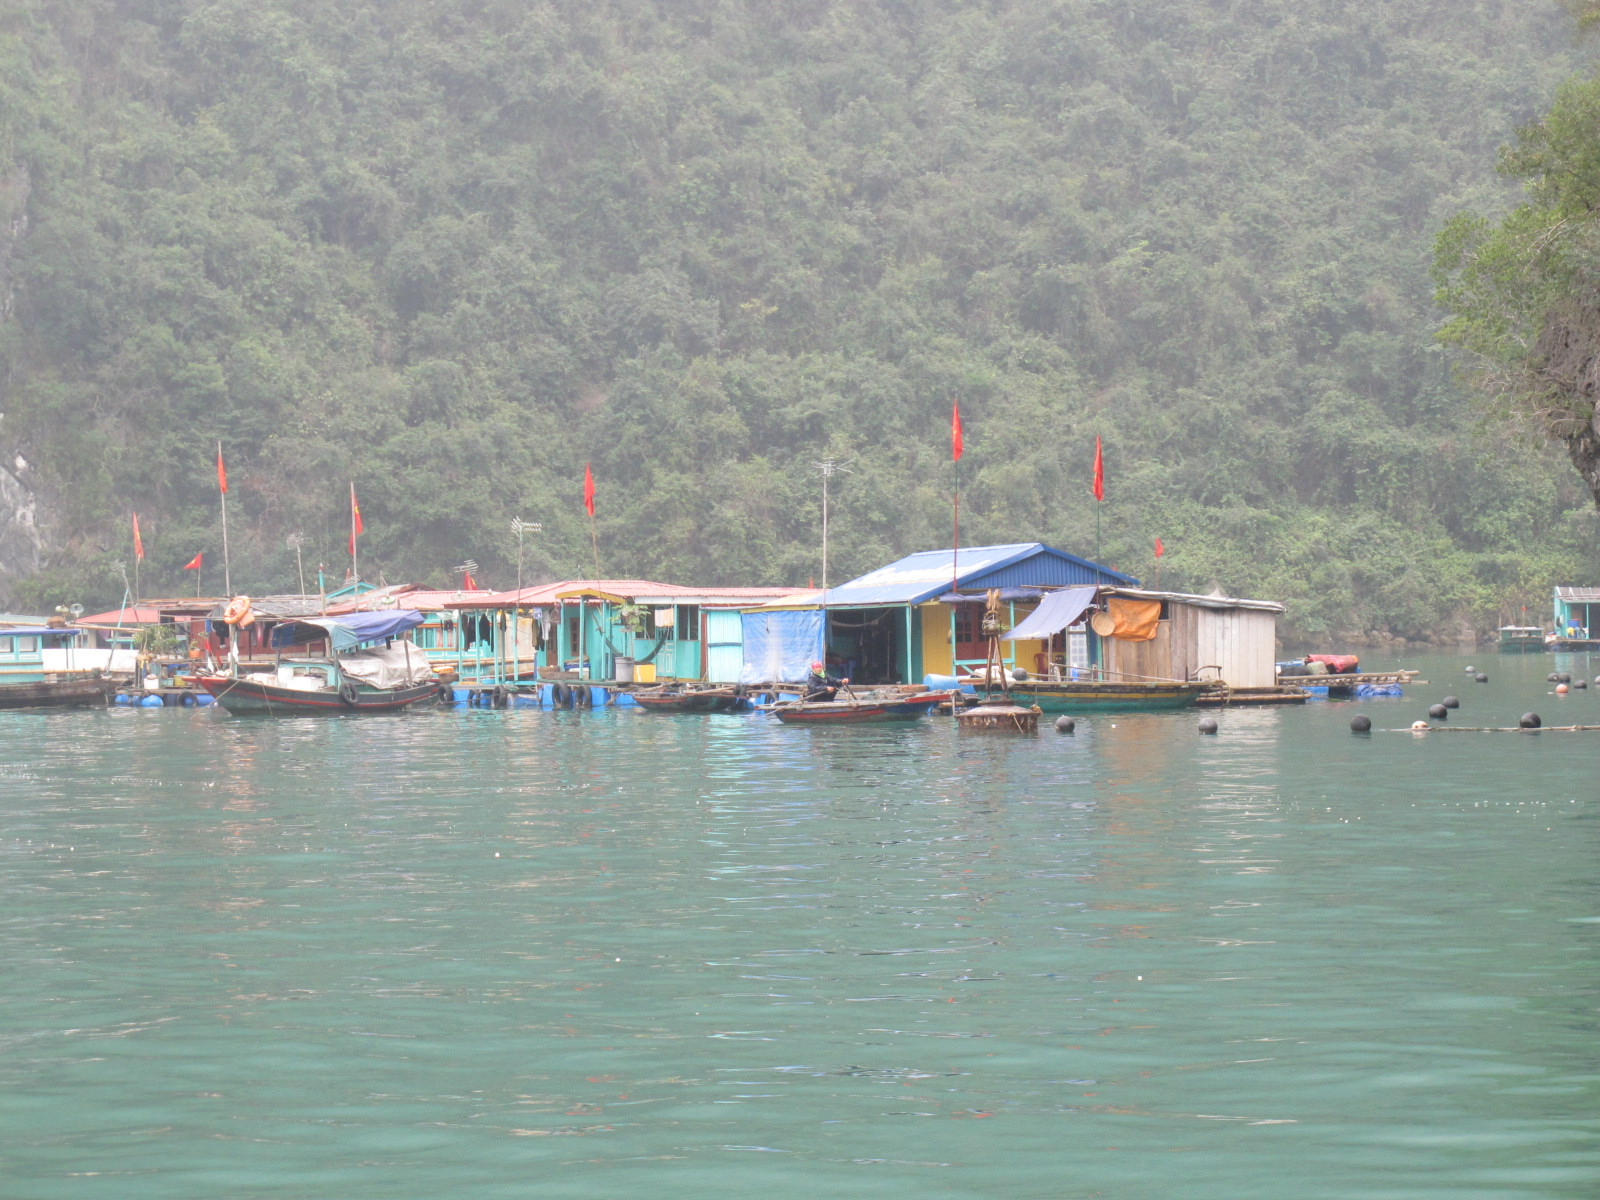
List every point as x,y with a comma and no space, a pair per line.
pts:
356,527
222,472
194,563
1160,549
1099,471
588,489
955,431
467,584
138,542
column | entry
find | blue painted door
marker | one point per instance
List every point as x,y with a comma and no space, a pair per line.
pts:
724,647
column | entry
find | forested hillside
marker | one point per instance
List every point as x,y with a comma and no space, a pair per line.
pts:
454,249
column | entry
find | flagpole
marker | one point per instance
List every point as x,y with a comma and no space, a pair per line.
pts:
227,574
355,567
594,542
138,554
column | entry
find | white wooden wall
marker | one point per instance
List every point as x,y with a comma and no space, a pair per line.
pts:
1241,641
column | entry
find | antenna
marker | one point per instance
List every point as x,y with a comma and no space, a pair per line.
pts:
295,541
828,468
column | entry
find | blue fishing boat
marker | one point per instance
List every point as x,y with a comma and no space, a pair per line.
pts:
48,666
357,675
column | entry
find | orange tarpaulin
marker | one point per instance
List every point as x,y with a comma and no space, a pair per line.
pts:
1136,620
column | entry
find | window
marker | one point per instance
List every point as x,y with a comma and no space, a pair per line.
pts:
688,622
5,645
28,645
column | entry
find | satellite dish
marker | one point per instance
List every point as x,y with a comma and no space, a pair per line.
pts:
76,610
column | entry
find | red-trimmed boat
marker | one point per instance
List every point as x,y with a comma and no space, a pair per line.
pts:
359,677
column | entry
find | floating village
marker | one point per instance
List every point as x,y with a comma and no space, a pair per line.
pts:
994,636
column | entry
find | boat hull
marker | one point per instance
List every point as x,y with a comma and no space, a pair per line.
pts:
245,696
1090,696
55,693
686,702
858,712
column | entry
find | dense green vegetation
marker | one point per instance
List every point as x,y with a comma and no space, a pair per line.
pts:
1525,290
454,249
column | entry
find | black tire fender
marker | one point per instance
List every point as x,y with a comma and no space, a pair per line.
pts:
348,693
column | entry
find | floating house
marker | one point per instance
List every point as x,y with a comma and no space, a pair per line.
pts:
1577,612
921,616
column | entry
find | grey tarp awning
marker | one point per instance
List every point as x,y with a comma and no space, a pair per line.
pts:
1055,612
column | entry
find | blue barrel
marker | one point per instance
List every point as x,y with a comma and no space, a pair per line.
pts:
947,683
152,702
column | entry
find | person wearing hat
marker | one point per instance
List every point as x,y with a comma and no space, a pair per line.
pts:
820,685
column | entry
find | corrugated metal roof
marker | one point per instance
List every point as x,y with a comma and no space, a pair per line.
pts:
642,591
1200,601
1578,595
141,614
922,576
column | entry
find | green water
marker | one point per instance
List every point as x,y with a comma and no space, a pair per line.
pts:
532,954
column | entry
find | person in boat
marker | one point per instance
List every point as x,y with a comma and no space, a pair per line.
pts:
820,685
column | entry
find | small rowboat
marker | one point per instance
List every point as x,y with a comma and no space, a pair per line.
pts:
678,700
865,710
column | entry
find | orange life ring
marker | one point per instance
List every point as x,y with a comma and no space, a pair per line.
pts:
238,612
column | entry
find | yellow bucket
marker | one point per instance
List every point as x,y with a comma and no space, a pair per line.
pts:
644,672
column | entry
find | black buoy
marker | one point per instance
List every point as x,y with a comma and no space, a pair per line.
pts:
1552,678
1530,721
1360,724
1208,724
1438,712
1564,677
1065,724
1481,677
1019,675
1450,702
1579,683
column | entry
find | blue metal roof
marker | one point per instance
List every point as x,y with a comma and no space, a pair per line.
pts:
920,577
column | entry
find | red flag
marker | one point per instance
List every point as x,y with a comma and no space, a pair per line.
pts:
138,542
466,582
588,489
222,472
955,431
194,563
1099,471
1160,549
356,527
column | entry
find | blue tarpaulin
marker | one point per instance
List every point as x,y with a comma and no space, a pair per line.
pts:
347,632
1055,612
779,647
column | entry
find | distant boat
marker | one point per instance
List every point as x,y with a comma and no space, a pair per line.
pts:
1521,639
865,710
37,669
358,677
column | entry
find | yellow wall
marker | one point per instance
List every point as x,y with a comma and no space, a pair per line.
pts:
937,658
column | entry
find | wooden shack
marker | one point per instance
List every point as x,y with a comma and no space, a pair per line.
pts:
1195,637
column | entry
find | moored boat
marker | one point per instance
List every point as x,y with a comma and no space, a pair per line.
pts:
1521,639
689,700
358,676
47,666
1097,695
858,710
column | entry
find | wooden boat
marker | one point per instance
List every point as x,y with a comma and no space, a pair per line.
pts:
1521,639
1095,695
689,700
48,666
862,710
351,680
64,692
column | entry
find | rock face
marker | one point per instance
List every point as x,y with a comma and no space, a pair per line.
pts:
21,539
